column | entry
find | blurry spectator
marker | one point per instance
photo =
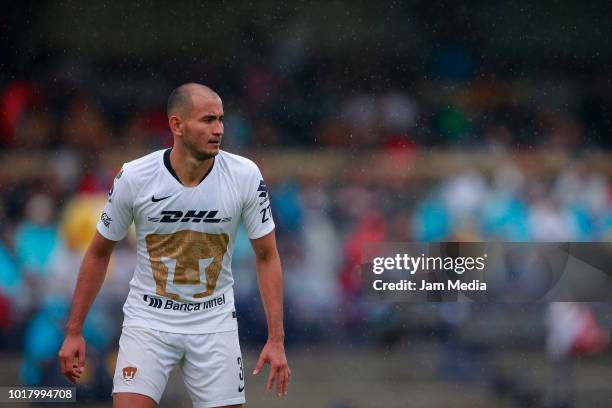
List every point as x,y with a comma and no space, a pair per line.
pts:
565,133
371,228
498,137
34,130
464,194
571,330
66,165
85,126
266,134
16,99
354,311
6,317
238,129
12,286
505,214
432,221
44,336
452,124
146,130
95,179
36,236
288,207
79,220
548,221
311,285
361,114
577,186
334,132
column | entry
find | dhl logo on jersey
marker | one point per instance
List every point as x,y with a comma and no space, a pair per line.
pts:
206,216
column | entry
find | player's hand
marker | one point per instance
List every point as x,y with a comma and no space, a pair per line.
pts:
274,354
72,357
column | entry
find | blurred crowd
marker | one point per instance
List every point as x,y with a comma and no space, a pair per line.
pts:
312,105
68,118
69,128
322,224
48,217
394,83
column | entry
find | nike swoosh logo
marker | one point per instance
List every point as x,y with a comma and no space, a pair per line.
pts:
159,199
240,389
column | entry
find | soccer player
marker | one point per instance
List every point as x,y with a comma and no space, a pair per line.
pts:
186,203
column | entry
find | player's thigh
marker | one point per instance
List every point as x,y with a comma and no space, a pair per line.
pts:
132,400
213,370
146,358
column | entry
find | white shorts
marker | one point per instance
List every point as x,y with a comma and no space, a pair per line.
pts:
211,365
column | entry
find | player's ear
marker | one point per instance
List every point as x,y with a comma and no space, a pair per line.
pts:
175,125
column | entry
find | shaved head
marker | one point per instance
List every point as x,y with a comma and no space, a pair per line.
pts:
180,101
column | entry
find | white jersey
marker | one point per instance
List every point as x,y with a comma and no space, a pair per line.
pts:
185,237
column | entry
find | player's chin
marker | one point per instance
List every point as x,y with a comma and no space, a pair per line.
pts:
210,151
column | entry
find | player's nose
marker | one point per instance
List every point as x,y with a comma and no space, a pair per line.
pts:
218,128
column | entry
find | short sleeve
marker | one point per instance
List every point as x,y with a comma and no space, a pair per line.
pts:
117,215
256,209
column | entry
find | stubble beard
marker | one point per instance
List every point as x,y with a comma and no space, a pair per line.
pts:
197,154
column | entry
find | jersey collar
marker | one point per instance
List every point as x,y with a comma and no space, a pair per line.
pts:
173,173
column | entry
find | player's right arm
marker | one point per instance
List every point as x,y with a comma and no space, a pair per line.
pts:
112,227
89,282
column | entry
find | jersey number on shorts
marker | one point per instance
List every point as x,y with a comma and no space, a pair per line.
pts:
187,248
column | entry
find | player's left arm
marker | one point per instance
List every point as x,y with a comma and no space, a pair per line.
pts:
270,279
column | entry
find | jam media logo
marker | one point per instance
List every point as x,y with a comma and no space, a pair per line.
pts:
106,220
128,374
506,272
205,216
